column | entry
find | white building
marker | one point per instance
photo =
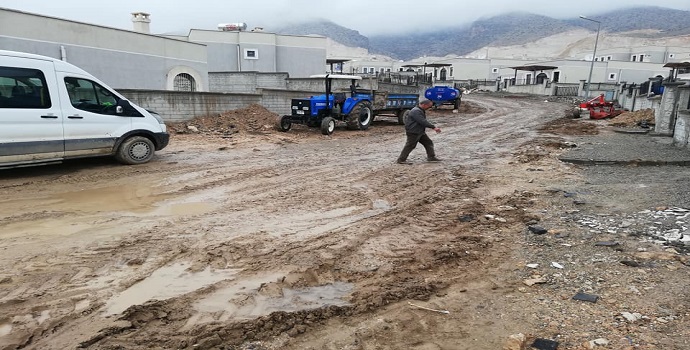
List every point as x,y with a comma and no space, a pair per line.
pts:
136,59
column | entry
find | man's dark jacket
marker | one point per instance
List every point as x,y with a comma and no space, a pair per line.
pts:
416,121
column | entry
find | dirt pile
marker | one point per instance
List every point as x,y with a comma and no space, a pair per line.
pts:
569,126
465,107
252,119
634,119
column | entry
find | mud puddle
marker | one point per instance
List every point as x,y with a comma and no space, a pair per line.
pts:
251,298
5,329
131,198
165,283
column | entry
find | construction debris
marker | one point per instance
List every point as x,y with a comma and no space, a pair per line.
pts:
428,309
634,119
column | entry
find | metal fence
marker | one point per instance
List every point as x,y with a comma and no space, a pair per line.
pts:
474,84
405,78
567,90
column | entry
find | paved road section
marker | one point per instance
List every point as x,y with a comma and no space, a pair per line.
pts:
626,148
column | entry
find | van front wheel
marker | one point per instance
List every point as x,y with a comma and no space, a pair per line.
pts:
135,150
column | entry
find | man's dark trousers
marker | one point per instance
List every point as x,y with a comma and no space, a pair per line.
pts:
411,143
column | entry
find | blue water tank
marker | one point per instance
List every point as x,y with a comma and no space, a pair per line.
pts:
441,93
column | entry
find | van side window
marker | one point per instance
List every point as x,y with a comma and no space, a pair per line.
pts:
90,96
23,88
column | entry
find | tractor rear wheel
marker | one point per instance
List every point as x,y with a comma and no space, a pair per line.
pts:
327,126
360,116
402,116
283,123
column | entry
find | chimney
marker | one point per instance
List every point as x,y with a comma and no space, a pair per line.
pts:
140,21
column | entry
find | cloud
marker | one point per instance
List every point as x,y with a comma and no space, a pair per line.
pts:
366,16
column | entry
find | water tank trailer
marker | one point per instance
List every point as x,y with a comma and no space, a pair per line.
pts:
444,95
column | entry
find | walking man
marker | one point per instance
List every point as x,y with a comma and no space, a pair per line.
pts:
415,127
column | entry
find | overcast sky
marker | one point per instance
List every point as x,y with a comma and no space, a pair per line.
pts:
369,17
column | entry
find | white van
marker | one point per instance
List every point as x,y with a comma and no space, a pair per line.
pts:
51,110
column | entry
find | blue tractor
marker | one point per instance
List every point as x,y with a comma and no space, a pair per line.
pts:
328,110
444,95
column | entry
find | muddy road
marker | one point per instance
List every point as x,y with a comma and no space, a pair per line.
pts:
256,239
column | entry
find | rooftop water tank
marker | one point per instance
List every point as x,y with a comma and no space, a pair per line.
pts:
230,27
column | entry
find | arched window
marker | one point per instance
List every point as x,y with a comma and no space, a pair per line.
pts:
443,74
184,82
541,77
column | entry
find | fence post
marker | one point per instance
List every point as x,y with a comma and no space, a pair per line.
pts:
580,88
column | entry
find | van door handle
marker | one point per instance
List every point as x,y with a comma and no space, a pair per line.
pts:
75,117
49,116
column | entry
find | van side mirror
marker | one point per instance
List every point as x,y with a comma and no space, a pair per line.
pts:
123,107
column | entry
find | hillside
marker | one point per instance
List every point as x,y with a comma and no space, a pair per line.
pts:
345,36
509,29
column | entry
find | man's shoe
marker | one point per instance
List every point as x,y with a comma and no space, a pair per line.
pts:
403,162
433,159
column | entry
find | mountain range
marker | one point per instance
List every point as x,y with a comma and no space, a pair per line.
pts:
514,28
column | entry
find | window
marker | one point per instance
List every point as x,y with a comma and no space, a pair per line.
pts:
493,70
23,88
184,82
372,70
556,76
641,58
671,55
251,54
90,96
608,58
451,71
612,76
596,59
634,58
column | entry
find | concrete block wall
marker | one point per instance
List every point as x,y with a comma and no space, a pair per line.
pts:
179,105
643,102
246,82
279,101
272,80
232,82
316,85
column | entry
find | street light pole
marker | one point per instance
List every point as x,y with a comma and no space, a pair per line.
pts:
594,55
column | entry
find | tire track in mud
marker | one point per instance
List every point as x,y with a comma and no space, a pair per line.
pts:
279,186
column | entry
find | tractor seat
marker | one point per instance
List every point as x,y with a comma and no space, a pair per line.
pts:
339,98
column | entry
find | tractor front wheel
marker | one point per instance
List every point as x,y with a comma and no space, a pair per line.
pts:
360,116
283,123
327,126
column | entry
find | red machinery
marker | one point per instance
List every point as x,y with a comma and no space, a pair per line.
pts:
599,108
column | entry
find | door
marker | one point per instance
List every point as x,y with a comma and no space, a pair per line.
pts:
30,115
556,76
91,123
